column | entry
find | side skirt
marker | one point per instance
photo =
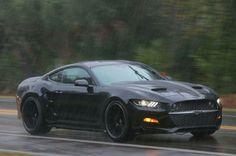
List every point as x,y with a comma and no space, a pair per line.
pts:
76,126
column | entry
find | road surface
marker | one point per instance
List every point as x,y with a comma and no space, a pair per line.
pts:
14,139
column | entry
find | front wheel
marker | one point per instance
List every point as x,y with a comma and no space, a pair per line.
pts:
203,133
116,122
32,117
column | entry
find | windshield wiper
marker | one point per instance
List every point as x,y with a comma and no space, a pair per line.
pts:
137,73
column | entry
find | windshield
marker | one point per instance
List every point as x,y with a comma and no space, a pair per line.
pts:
109,74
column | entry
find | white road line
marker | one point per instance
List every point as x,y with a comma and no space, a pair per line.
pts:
15,132
8,100
122,145
230,116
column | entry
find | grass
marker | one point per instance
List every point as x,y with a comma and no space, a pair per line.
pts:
13,154
7,96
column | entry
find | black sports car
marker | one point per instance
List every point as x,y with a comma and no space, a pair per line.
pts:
122,98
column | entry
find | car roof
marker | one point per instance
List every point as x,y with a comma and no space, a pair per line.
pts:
90,64
103,62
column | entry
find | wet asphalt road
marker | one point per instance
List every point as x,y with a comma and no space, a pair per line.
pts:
70,142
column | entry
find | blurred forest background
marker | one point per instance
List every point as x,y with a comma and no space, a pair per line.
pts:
191,40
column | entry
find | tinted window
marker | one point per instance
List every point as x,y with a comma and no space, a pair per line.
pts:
72,74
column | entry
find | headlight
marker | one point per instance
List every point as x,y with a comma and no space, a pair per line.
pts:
145,103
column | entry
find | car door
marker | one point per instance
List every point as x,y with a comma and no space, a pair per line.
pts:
54,96
76,104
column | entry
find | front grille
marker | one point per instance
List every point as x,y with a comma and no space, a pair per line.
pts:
194,105
189,120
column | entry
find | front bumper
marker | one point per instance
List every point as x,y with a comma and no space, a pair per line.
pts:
173,122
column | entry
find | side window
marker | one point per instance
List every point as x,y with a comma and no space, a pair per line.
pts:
72,74
56,76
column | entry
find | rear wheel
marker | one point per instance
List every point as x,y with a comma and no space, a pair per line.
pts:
116,122
203,133
32,117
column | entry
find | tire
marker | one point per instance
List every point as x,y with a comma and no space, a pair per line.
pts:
117,122
32,117
203,133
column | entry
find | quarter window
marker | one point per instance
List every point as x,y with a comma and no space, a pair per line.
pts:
56,76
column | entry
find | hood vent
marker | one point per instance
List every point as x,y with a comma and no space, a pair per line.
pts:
159,89
196,87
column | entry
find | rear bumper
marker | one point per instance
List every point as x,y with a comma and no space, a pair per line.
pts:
174,122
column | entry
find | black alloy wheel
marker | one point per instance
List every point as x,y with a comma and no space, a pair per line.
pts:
32,117
116,122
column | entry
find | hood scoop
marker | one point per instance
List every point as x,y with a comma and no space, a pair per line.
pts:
159,89
197,87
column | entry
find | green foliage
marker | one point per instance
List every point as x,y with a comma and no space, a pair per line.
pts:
201,46
191,40
156,55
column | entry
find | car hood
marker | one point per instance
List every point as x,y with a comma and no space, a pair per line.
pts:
170,91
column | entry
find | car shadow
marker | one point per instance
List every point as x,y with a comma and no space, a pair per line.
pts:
206,139
186,141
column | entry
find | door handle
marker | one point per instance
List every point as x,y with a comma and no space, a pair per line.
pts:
58,92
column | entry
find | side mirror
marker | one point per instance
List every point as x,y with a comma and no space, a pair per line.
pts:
81,83
169,78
